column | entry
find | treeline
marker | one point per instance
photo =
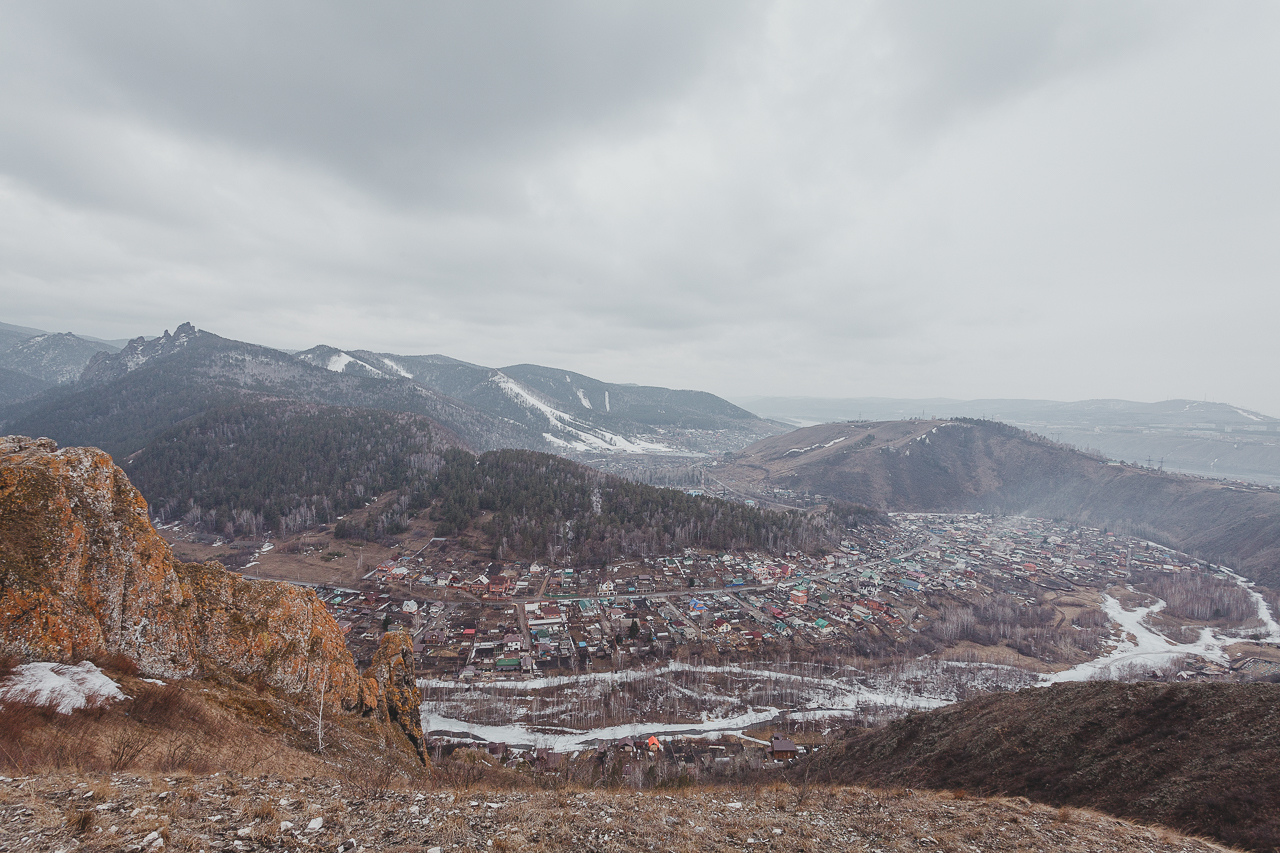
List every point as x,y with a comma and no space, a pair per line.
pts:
1033,631
1199,596
543,506
248,469
280,467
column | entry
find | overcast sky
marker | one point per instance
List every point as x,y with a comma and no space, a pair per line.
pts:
959,199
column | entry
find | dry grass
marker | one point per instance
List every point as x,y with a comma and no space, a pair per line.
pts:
194,729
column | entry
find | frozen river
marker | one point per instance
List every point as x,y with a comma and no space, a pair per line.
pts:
929,685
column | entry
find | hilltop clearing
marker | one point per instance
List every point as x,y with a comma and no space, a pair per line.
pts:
1201,757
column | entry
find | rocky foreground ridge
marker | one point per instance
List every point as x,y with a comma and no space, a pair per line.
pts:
136,814
84,575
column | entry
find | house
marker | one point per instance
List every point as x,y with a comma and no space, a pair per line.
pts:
781,748
548,760
799,596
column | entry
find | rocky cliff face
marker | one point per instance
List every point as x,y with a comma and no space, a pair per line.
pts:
82,573
392,670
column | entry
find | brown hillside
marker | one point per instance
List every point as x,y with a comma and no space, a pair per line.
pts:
982,466
1204,758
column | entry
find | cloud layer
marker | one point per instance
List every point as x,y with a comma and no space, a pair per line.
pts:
1061,200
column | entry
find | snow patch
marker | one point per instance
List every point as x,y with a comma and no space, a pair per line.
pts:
1249,415
399,369
339,362
582,436
582,395
606,400
815,446
61,685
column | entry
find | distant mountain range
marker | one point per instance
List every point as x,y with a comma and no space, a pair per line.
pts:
1195,437
562,410
32,361
89,393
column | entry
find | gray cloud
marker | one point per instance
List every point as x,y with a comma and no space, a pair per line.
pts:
914,199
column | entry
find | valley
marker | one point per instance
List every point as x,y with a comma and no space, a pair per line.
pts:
704,591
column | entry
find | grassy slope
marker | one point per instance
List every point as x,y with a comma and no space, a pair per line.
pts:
1203,758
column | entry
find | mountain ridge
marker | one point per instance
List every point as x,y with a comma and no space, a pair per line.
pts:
1192,436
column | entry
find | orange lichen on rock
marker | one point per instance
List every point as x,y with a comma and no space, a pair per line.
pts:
83,573
393,670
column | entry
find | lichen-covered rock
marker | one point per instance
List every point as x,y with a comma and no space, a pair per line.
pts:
83,573
392,669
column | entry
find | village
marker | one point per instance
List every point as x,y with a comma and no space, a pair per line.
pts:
878,593
640,650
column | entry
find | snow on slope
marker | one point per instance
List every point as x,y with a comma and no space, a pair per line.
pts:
582,395
397,368
815,446
582,436
61,685
338,364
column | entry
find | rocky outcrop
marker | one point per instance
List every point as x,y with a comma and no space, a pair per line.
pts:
83,573
106,366
392,670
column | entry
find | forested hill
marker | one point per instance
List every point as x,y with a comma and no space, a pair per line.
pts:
539,501
244,469
124,401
